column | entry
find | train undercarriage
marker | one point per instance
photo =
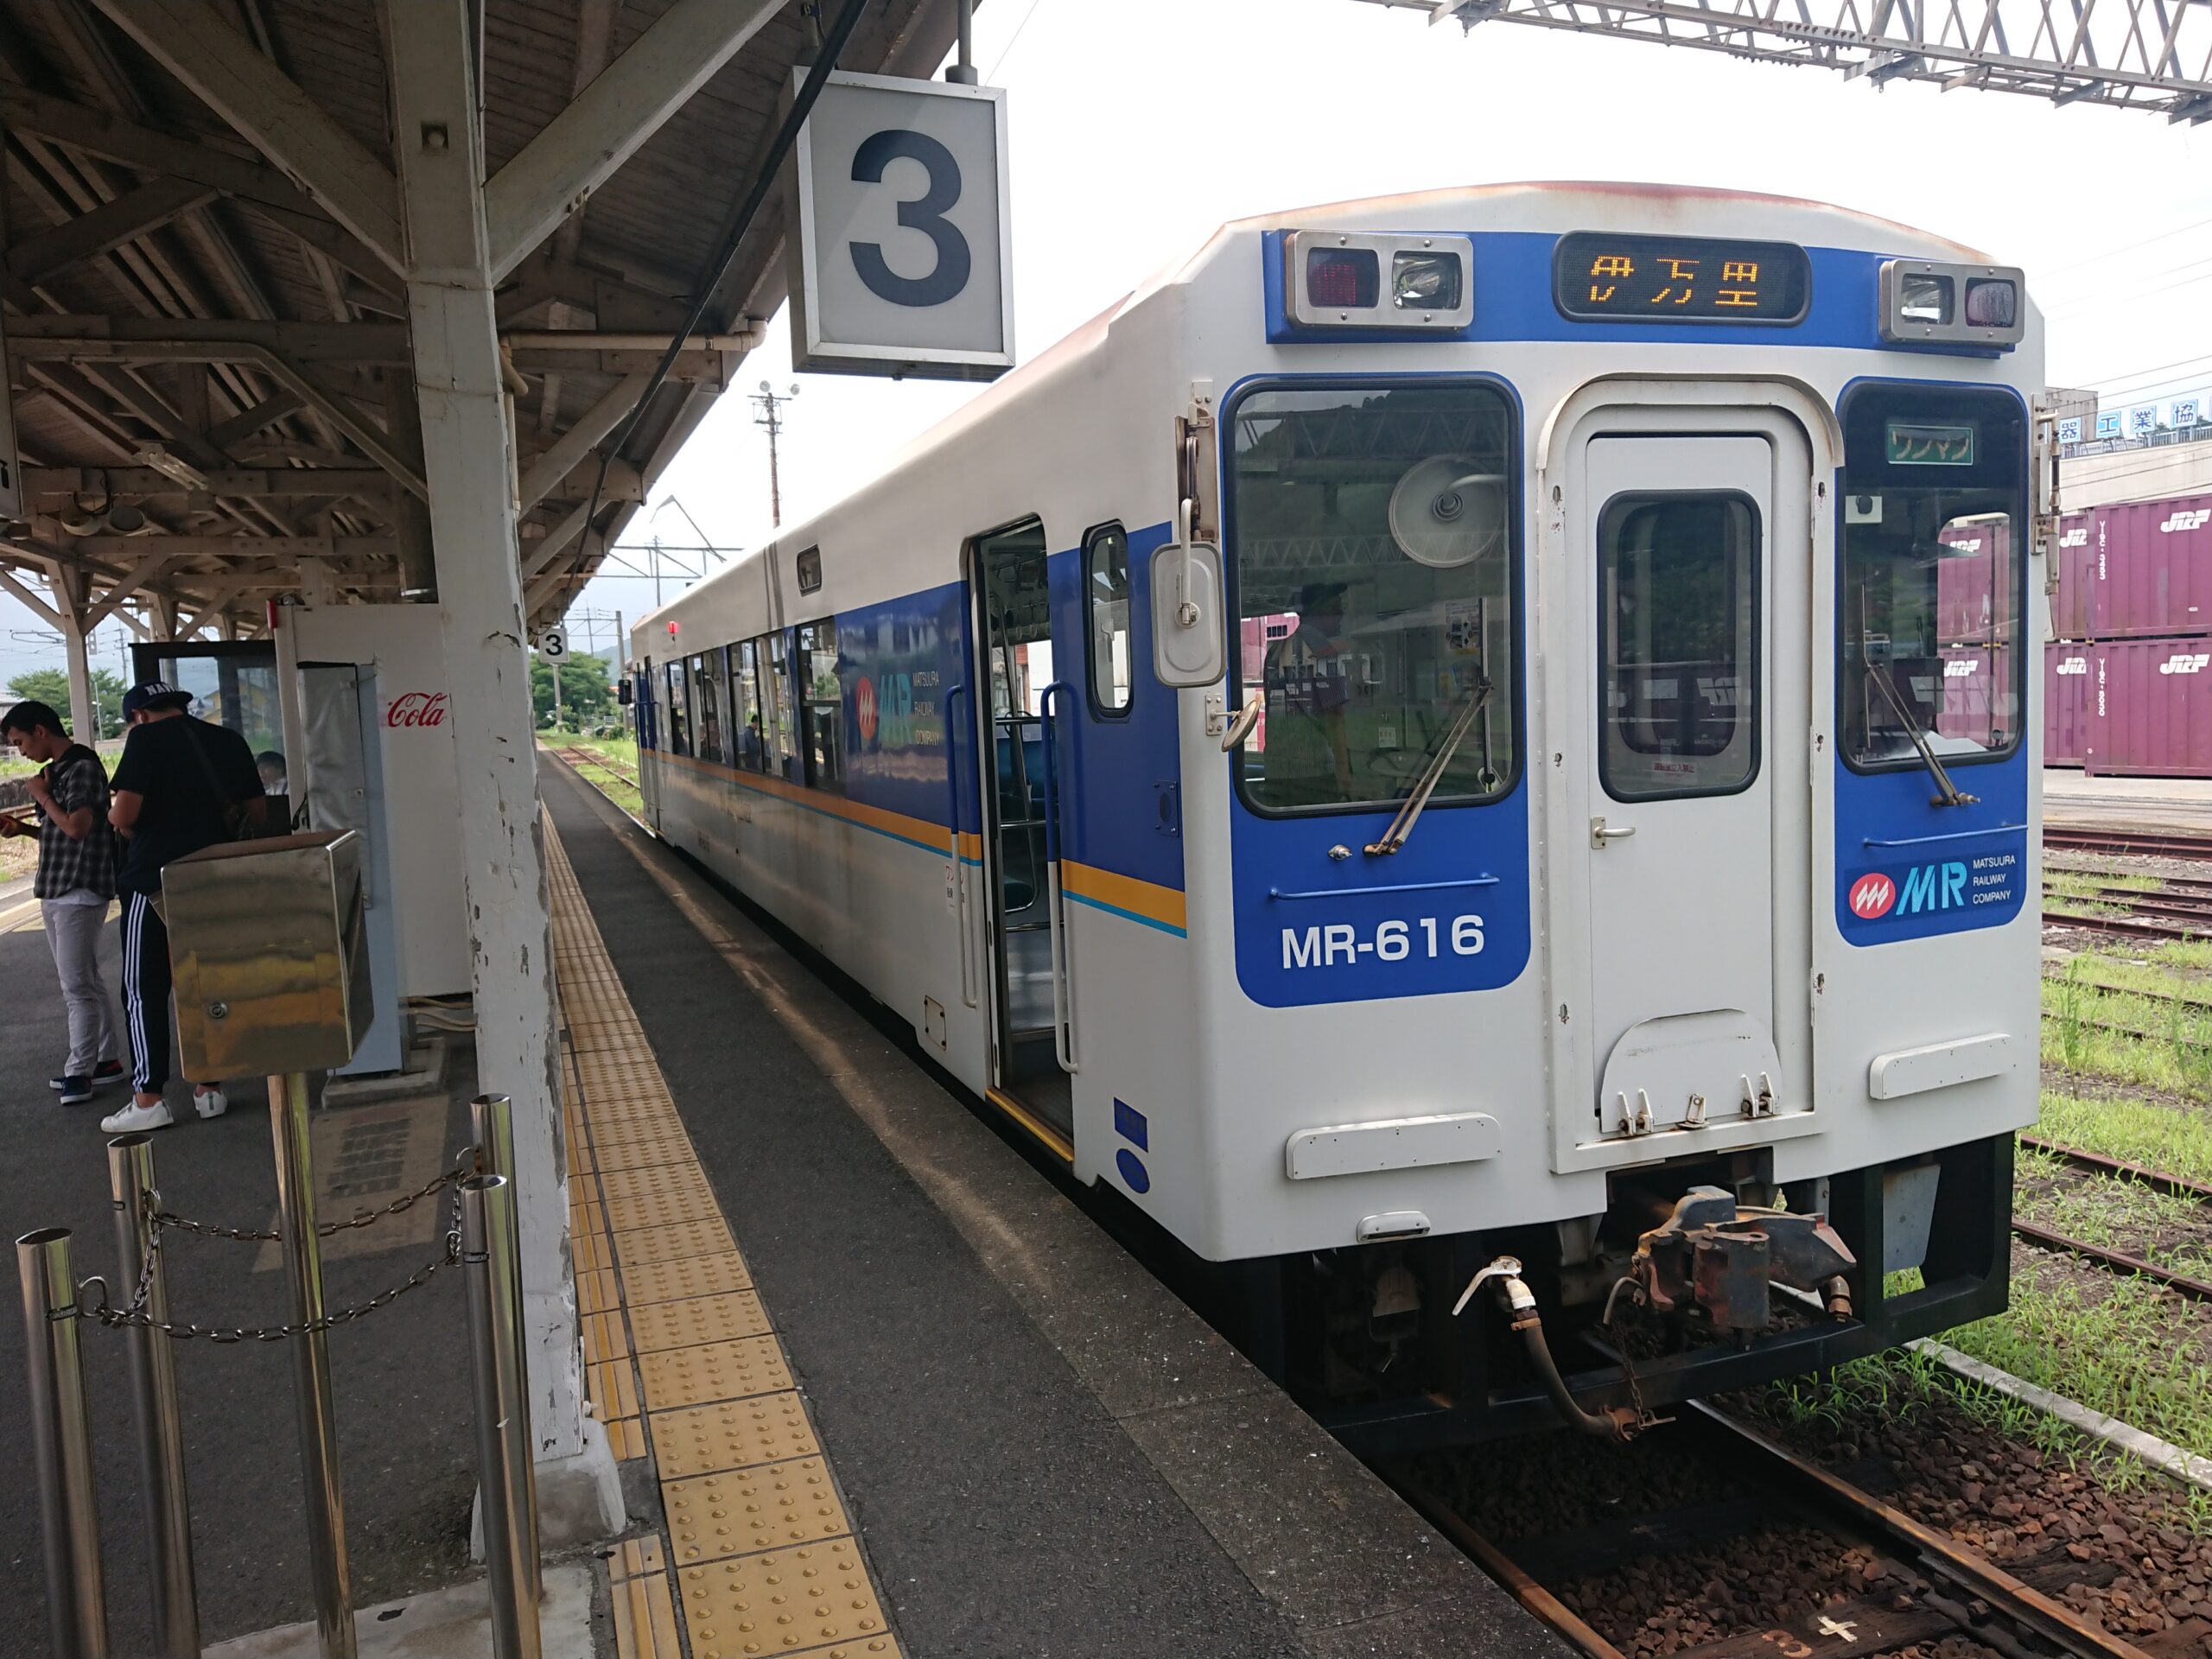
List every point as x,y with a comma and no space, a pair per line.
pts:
1701,1276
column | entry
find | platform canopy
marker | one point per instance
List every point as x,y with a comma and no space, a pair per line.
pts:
206,282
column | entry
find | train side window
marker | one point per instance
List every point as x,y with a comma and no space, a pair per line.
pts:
748,728
822,717
1932,604
1106,584
706,691
776,704
679,718
1678,644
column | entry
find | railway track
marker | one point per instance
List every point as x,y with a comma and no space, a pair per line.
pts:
1929,1587
2190,1286
2137,844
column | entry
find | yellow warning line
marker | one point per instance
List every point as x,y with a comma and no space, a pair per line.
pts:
683,1361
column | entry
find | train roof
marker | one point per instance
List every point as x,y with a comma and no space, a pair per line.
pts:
1547,207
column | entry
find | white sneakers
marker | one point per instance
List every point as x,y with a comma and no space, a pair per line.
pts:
135,1117
208,1102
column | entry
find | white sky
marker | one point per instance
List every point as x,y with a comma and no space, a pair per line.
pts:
1137,126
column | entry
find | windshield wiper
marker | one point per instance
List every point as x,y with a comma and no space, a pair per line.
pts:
1401,827
1950,795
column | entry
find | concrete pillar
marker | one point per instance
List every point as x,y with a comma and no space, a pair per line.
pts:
473,529
84,713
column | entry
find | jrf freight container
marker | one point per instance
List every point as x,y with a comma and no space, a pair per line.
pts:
1974,601
2148,572
2075,564
2152,707
2069,685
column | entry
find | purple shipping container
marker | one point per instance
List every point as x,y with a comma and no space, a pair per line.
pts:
2071,617
2068,679
2151,708
1970,705
2149,572
1974,585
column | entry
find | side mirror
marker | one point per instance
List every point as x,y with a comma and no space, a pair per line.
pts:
1190,632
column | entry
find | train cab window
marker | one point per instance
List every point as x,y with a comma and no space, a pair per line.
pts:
679,711
822,717
1372,538
707,697
1106,583
1678,644
747,727
1934,572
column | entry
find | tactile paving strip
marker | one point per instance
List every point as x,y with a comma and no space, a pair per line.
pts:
692,1276
712,1370
661,1209
782,1601
656,1325
678,1181
671,1317
732,1434
674,1243
735,1514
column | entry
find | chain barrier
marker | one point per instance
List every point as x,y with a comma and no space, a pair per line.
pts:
464,1166
134,1313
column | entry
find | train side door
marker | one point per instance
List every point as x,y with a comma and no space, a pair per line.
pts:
1021,704
1679,545
645,710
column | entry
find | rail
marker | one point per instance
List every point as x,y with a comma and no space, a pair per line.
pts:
1958,1592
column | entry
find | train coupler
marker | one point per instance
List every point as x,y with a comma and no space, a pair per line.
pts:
1724,1258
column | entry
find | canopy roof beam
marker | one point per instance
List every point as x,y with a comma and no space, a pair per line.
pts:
552,175
196,43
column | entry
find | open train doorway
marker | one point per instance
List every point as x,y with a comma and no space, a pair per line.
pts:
1026,942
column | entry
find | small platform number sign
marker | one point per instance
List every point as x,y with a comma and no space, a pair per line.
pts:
901,265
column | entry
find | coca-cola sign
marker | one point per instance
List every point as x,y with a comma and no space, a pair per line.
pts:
417,709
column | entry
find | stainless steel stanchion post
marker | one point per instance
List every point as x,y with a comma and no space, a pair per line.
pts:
76,1604
153,1390
325,1505
492,1119
488,1234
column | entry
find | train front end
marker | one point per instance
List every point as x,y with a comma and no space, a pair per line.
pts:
1615,896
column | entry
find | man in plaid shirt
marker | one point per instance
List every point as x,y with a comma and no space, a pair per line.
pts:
75,881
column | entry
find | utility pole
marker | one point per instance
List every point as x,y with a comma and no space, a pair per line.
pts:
771,407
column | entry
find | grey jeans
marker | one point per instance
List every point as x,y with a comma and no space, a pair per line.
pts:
73,931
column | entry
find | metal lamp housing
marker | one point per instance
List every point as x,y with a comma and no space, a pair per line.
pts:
1303,310
1952,328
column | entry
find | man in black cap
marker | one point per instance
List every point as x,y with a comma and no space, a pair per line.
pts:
182,784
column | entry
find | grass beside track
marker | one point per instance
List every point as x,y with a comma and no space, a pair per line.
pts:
615,779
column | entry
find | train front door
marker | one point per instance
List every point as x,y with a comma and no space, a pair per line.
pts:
1020,695
1688,625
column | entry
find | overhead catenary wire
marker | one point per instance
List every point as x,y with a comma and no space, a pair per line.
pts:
772,165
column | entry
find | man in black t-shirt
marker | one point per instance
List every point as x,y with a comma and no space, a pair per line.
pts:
182,784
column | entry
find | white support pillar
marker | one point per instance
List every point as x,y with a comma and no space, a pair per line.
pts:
466,446
84,710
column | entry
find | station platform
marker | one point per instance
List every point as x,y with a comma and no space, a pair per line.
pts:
2175,805
901,1395
406,1442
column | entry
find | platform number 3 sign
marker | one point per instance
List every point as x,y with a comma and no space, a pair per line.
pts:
900,264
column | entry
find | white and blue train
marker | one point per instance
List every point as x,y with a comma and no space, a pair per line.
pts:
1488,730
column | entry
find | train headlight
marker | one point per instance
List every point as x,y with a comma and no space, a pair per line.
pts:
1426,282
1923,297
1336,280
1924,303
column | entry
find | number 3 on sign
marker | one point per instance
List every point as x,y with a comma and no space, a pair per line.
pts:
926,215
